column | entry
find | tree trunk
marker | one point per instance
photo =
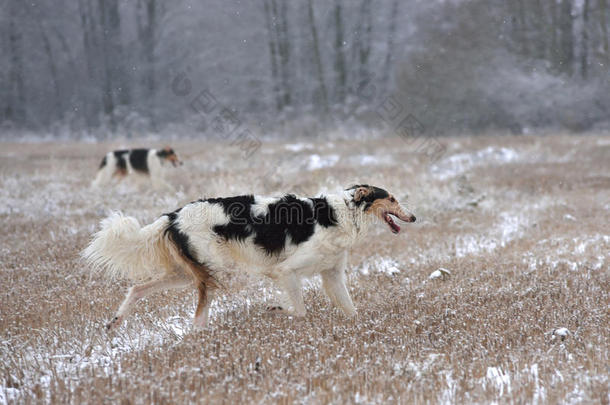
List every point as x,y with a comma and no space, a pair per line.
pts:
390,45
119,75
316,57
339,55
107,87
281,31
554,48
146,19
48,49
603,25
566,37
89,46
269,18
364,50
539,37
16,109
522,28
584,56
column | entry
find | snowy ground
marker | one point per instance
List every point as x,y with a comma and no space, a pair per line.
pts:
522,224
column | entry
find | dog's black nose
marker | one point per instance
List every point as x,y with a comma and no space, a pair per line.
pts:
412,218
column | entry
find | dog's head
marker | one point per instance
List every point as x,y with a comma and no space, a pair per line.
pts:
378,202
168,154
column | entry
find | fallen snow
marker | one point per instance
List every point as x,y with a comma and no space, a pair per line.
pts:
457,164
298,147
379,264
315,162
499,379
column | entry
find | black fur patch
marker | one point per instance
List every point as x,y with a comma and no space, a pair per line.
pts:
121,163
138,160
324,212
375,194
180,239
239,210
103,164
287,217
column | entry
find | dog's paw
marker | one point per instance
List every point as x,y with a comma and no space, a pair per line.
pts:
274,309
113,323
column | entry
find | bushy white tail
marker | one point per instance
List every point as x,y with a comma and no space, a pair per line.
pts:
122,248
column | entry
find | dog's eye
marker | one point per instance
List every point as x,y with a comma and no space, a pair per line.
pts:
392,199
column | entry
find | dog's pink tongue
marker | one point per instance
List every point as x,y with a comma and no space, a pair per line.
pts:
393,225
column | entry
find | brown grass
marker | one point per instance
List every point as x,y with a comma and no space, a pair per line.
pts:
524,231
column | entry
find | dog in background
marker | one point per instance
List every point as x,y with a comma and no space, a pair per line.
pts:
284,238
148,163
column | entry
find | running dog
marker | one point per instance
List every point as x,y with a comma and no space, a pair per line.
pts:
284,238
145,162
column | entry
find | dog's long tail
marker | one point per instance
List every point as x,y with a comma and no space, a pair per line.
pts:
123,248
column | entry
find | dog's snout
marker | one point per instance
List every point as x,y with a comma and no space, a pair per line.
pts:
412,218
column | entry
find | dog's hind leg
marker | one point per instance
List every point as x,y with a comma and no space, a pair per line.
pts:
202,313
333,282
136,292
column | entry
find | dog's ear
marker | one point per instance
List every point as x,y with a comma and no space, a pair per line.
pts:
360,193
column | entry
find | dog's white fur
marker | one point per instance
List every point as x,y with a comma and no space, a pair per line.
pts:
125,249
107,174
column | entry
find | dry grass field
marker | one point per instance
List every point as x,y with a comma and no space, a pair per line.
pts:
522,224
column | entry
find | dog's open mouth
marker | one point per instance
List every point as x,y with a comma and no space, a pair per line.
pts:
393,226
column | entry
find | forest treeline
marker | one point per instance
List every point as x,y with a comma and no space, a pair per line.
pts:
456,66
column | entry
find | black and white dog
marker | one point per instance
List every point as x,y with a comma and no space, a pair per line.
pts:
144,162
284,238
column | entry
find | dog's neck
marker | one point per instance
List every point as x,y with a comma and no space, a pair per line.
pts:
351,216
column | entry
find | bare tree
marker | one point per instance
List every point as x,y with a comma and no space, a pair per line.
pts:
316,56
566,36
365,28
603,25
16,108
584,53
284,48
390,45
340,72
146,17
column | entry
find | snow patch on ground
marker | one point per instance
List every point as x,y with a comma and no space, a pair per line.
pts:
370,160
457,164
379,264
498,379
315,161
298,147
511,226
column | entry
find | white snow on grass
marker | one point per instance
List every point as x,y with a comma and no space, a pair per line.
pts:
568,251
298,147
498,379
379,264
315,161
457,164
510,226
370,160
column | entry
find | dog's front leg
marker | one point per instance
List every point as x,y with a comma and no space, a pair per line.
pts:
333,282
291,287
